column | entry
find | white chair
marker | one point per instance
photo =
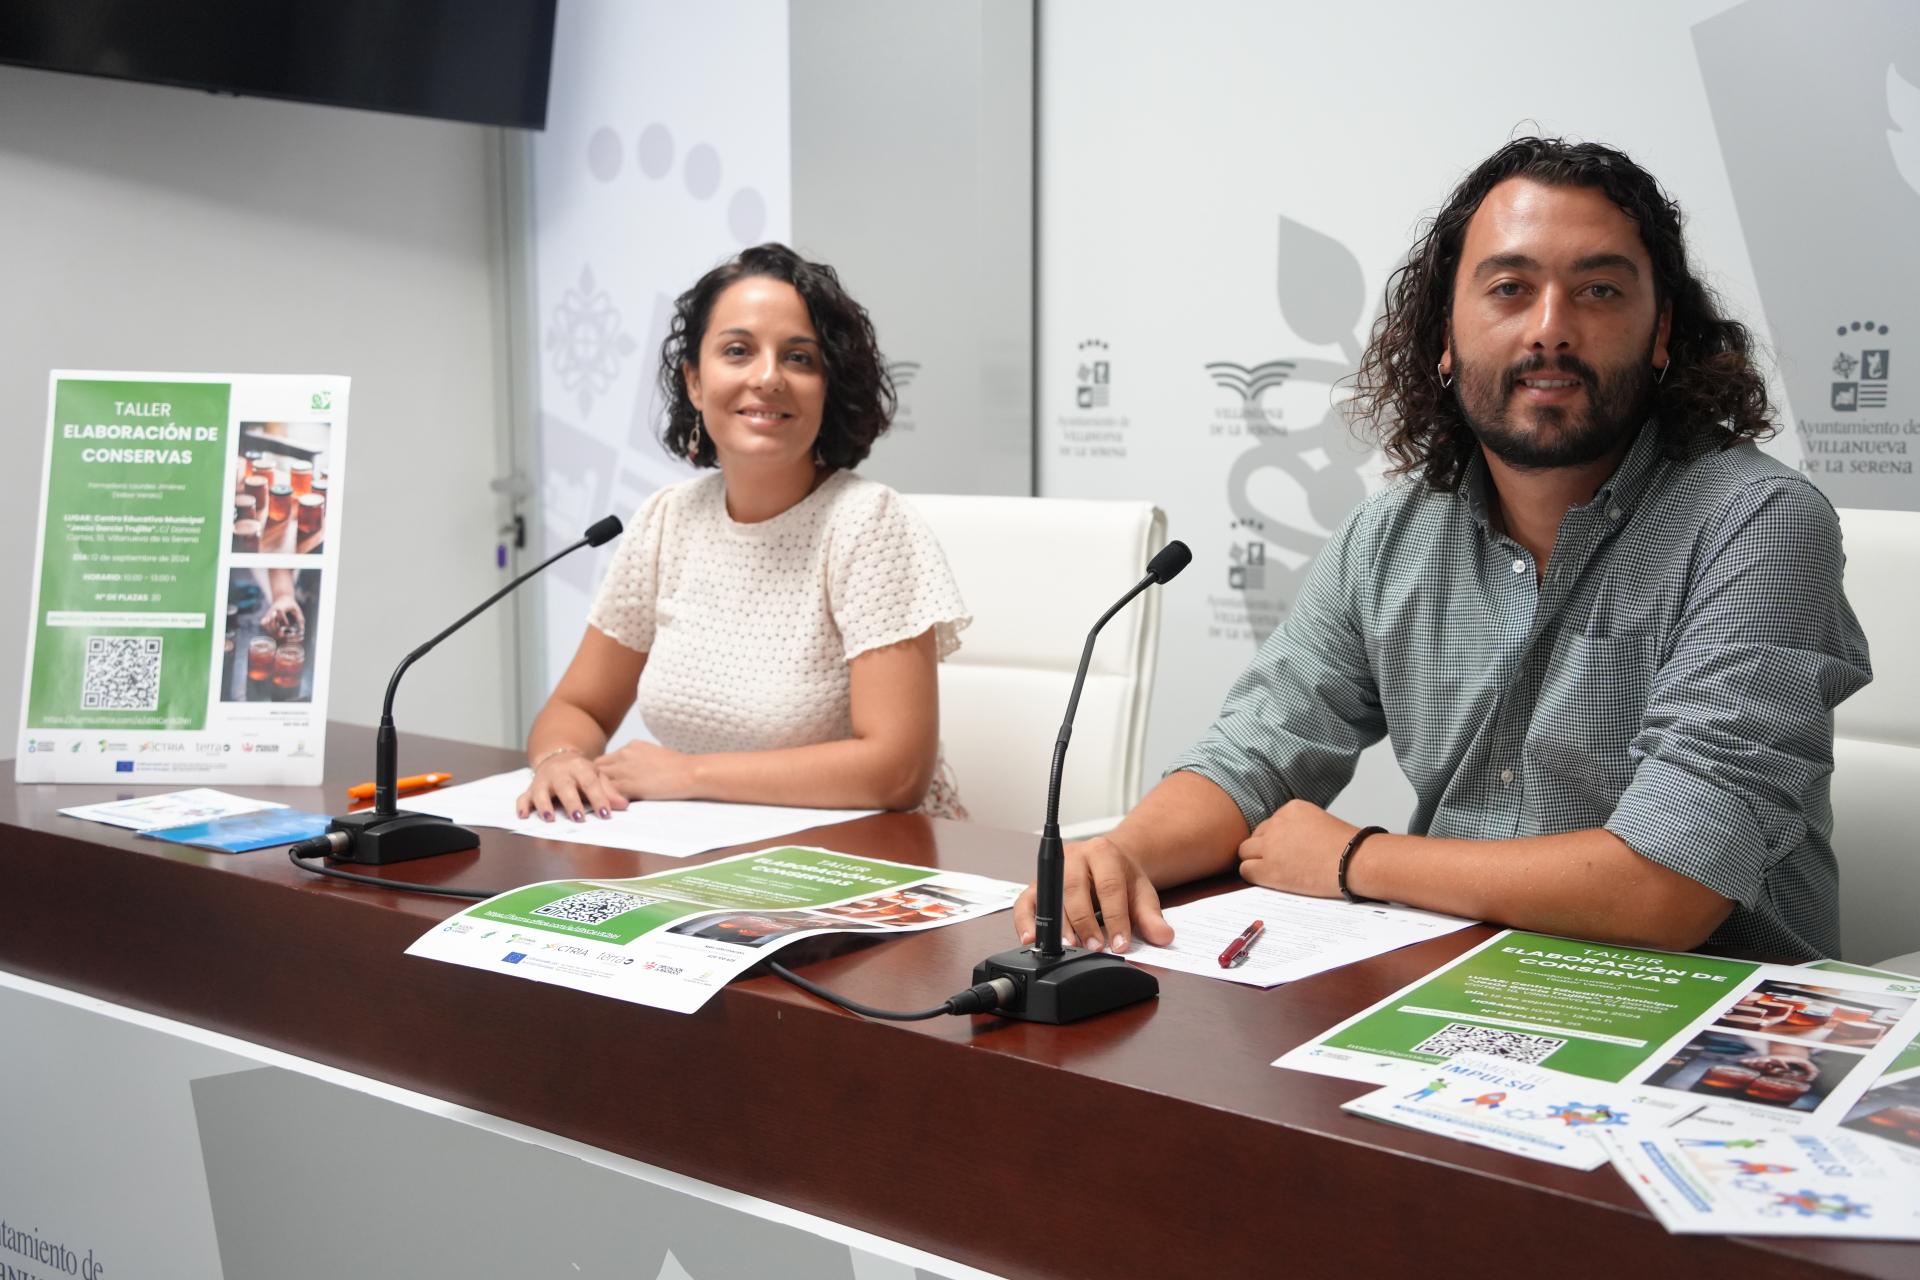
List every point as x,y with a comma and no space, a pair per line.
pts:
1876,749
1036,574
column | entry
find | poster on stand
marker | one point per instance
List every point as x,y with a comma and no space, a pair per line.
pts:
185,572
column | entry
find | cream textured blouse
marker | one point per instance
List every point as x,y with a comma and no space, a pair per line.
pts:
748,628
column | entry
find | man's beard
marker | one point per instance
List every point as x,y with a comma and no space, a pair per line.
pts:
1617,404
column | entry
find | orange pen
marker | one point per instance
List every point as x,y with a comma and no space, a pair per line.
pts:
405,786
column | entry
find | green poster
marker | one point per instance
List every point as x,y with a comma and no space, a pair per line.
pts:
1580,1007
770,880
130,556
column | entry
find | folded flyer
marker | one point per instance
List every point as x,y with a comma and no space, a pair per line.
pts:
1769,1183
1526,1111
168,809
673,938
1787,1046
245,832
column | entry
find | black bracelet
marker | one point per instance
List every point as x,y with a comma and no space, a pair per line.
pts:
1346,857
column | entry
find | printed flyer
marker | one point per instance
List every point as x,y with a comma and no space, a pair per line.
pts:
672,939
1763,1183
1890,1108
1527,1111
1789,1045
184,579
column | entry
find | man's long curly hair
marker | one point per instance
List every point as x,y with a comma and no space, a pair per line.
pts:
1712,396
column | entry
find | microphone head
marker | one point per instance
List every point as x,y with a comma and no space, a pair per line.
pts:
601,532
1171,559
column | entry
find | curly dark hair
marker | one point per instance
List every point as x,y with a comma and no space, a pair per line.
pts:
860,395
1712,395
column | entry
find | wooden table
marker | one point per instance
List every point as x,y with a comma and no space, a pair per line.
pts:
1153,1141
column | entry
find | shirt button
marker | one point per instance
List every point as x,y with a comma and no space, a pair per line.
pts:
1519,566
1613,513
1506,775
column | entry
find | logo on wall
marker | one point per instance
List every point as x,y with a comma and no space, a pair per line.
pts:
1295,474
1093,380
1247,557
1093,430
1869,389
1855,129
1861,442
903,372
1252,417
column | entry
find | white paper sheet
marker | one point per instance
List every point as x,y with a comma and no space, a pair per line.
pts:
1304,936
671,828
173,809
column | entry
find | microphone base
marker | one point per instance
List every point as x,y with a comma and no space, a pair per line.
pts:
1073,985
377,839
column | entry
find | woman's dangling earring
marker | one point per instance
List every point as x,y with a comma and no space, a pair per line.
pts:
819,459
693,445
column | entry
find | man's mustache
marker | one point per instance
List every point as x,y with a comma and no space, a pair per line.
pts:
1567,364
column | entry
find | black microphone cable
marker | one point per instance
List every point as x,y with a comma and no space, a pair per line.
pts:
982,997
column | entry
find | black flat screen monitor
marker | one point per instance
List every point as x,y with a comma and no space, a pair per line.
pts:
481,61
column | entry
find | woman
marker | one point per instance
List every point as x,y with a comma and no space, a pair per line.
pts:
780,620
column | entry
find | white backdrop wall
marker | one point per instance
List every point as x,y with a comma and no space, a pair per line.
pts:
665,152
148,227
1225,187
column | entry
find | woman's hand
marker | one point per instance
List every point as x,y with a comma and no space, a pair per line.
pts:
647,771
568,782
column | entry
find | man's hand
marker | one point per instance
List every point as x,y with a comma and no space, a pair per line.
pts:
1297,850
647,771
1100,875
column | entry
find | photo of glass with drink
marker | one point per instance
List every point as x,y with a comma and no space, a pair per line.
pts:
1828,1015
1787,1074
272,615
283,468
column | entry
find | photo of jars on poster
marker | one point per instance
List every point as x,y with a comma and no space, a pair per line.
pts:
184,579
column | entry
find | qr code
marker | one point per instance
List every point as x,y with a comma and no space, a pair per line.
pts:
595,906
1460,1037
122,674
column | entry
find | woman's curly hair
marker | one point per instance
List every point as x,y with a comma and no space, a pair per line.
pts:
1712,395
860,395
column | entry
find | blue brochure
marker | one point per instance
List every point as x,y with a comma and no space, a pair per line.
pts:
245,831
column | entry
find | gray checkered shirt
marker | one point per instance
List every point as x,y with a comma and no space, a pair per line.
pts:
1672,679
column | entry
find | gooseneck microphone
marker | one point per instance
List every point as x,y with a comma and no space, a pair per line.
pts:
1055,983
386,833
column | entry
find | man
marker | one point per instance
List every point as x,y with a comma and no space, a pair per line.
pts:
1604,632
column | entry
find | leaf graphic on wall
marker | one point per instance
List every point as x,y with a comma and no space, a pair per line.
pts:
1903,108
1323,295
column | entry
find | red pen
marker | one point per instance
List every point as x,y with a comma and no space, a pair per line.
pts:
1236,952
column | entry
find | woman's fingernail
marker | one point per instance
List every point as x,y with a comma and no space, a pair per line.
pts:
579,816
546,817
604,813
